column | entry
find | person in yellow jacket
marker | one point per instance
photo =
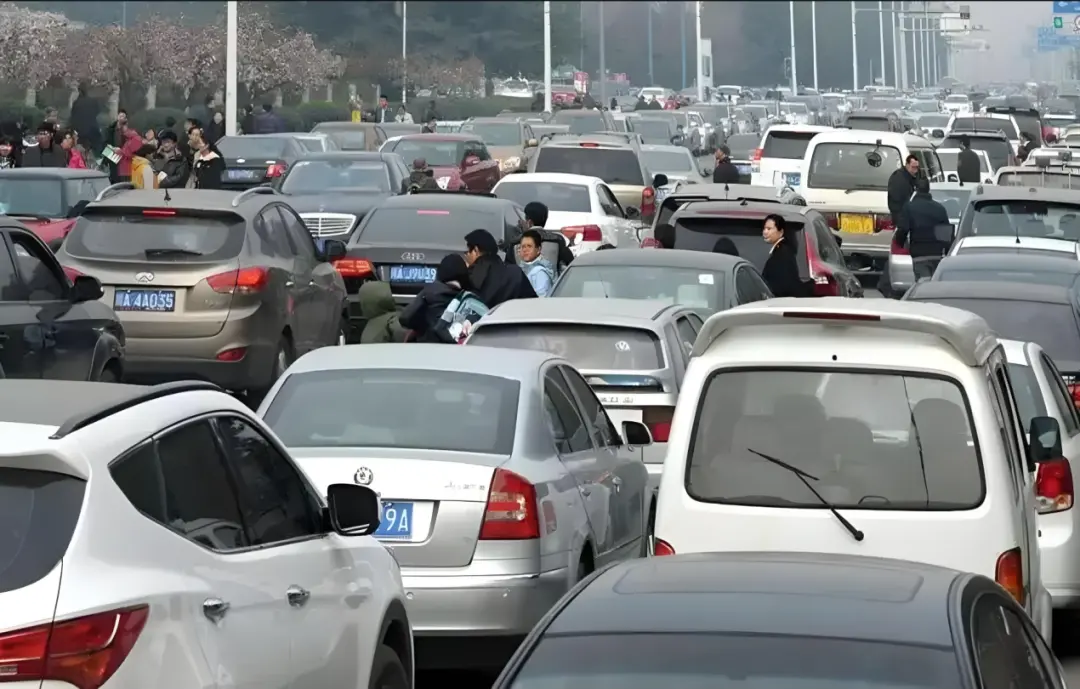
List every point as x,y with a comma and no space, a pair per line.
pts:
142,170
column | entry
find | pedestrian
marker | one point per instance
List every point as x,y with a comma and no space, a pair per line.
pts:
968,168
8,151
69,141
781,270
381,314
654,104
356,109
170,165
46,153
724,245
725,171
207,165
403,115
203,112
114,137
84,118
1025,147
424,314
143,175
421,177
536,217
383,112
431,113
614,104
538,269
52,116
641,104
494,280
247,122
901,186
915,229
216,128
268,121
431,127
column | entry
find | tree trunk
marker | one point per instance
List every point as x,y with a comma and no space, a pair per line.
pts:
151,96
219,97
329,93
305,96
114,101
278,99
31,98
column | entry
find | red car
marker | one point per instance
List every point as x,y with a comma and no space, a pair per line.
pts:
47,199
460,161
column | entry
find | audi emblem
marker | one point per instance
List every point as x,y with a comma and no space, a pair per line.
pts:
412,256
144,277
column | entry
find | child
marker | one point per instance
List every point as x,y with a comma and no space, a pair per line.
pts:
142,171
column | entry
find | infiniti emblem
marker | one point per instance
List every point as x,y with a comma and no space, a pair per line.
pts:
412,256
363,476
144,277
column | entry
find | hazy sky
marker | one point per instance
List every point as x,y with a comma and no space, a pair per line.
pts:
1010,32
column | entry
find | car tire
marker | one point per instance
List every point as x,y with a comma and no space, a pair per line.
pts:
387,670
283,357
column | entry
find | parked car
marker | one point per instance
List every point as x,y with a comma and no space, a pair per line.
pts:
460,161
254,159
48,199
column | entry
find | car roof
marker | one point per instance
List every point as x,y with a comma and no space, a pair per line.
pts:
1065,246
806,128
662,148
1005,192
550,177
186,199
670,258
436,137
350,155
494,120
865,136
928,290
953,186
976,134
822,595
443,200
871,114
45,402
1019,262
593,311
1014,352
51,173
514,364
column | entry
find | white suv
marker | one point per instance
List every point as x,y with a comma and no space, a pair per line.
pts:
890,430
162,537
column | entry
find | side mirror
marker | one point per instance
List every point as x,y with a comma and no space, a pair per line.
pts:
952,177
331,249
354,510
632,212
532,143
86,288
636,433
1044,439
944,233
78,208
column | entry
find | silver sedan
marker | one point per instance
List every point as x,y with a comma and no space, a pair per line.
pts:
503,480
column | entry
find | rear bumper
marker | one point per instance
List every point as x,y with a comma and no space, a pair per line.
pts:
253,372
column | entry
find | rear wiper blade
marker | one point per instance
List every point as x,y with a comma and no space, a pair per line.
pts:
171,252
803,476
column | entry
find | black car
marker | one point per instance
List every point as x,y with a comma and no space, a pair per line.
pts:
783,620
1006,267
333,192
52,326
252,159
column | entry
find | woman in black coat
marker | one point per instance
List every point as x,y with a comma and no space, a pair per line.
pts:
782,267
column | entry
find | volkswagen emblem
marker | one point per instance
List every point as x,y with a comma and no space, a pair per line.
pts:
412,256
144,277
363,476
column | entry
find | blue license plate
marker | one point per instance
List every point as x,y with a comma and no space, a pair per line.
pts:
743,169
160,300
412,274
396,523
240,174
792,179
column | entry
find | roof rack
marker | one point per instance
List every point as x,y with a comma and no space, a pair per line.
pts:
80,421
113,190
254,191
463,192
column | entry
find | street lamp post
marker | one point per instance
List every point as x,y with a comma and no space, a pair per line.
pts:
881,37
854,47
547,56
813,38
231,30
794,69
700,46
404,63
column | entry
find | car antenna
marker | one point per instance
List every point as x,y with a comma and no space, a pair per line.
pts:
727,192
167,197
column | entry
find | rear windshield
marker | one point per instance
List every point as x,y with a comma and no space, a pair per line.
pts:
1029,399
957,99
315,145
789,145
933,121
872,124
32,198
588,347
268,148
320,176
495,133
870,440
845,166
438,227
137,237
692,287
654,130
557,196
668,161
436,153
1045,180
348,139
741,145
950,161
1050,219
986,124
944,273
954,200
999,151
38,513
580,124
613,165
700,234
401,408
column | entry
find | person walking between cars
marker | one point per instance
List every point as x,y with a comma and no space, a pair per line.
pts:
536,217
383,113
380,313
424,315
781,270
725,171
967,163
902,186
266,122
170,165
422,177
538,269
69,141
494,280
915,229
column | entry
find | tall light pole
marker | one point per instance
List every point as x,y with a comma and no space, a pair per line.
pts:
603,58
231,31
649,7
794,71
893,32
854,47
933,50
881,37
682,37
903,47
813,38
697,31
547,56
404,63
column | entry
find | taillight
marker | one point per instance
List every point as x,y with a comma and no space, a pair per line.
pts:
1009,573
832,220
650,243
84,652
897,250
825,284
648,201
577,234
658,421
756,155
883,223
510,514
243,281
662,548
275,170
232,355
1053,486
72,273
354,267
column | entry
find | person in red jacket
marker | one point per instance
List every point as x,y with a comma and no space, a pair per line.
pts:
130,143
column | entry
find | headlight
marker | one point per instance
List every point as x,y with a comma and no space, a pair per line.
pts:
510,163
443,182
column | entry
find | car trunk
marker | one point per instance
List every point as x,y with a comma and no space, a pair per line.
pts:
407,267
631,396
433,501
699,233
245,173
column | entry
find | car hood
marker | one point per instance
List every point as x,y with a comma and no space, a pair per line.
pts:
338,202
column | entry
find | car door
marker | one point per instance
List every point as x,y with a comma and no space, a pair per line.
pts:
325,291
20,334
295,274
1003,655
625,229
326,590
69,335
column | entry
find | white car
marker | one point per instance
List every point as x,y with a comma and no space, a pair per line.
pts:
955,197
583,208
891,430
1020,245
957,103
163,537
949,158
778,159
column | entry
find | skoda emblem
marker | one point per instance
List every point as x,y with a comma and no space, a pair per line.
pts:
144,277
363,476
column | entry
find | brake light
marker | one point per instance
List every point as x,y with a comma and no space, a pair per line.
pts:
510,514
648,201
1053,486
577,234
589,145
275,170
756,155
1009,573
1074,390
897,250
658,421
824,316
354,267
243,281
883,223
84,652
650,243
159,213
72,273
825,284
662,548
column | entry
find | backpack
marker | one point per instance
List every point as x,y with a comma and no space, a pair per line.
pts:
139,166
458,318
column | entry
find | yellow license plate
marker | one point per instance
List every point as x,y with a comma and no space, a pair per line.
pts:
857,224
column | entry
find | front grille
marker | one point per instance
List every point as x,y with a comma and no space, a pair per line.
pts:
328,224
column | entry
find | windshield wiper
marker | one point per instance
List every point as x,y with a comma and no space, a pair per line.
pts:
803,476
150,253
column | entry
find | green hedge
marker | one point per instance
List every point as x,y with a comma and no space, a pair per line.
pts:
18,112
464,108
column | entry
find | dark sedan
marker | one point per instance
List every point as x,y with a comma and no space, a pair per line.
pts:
1031,269
783,621
254,159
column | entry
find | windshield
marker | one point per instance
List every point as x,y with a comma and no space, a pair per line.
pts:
394,226
39,198
652,129
742,145
688,286
999,151
954,200
986,124
587,347
613,165
253,147
172,239
435,152
668,161
399,408
730,661
845,166
557,196
873,441
1051,219
319,176
788,145
496,133
872,124
923,106
580,123
1061,278
933,121
1051,179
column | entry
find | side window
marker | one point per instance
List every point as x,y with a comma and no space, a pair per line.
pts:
1009,407
1062,397
746,288
273,232
276,503
609,203
606,435
564,417
35,266
11,287
179,480
1003,653
527,133
928,162
696,322
687,334
677,351
763,286
999,415
298,235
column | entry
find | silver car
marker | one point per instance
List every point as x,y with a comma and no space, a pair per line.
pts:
955,197
503,480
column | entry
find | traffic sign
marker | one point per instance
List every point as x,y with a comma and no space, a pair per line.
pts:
1066,7
1058,23
1053,43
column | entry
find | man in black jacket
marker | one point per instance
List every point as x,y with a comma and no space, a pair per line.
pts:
902,186
493,280
915,228
46,153
170,164
968,168
725,171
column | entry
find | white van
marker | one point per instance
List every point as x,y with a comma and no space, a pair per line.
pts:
778,160
891,430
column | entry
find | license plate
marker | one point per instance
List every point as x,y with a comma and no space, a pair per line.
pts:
743,169
396,523
856,224
792,179
241,174
412,274
159,300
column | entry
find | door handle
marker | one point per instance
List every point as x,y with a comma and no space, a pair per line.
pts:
289,283
297,596
214,609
